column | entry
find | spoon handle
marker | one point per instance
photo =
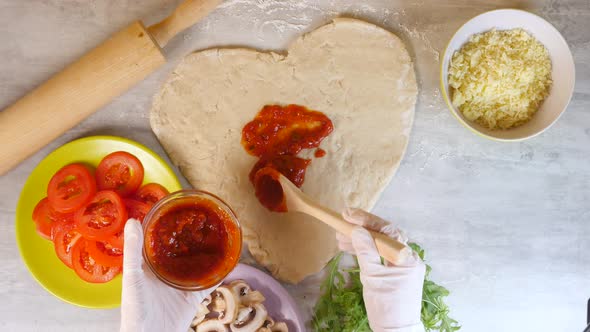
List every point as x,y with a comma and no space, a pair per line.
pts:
390,249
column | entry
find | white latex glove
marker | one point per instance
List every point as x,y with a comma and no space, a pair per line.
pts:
147,304
392,294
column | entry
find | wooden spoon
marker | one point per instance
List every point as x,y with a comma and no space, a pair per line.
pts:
279,194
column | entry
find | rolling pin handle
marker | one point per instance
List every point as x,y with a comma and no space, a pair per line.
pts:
185,15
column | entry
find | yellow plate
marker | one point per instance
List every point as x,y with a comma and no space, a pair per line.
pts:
39,255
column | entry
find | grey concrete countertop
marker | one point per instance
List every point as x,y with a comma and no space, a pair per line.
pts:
505,225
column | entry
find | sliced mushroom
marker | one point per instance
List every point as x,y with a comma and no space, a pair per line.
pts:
244,293
212,325
235,307
280,327
202,312
268,322
240,288
243,314
225,303
267,325
254,320
252,298
218,304
238,284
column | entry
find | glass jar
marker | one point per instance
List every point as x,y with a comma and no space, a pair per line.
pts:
192,240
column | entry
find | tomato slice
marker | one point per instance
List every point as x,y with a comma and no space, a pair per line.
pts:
87,268
119,171
70,188
116,241
65,237
136,209
151,193
105,254
45,218
102,217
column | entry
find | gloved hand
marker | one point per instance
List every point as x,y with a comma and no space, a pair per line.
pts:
392,294
147,304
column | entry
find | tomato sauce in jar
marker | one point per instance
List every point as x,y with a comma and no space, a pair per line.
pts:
192,240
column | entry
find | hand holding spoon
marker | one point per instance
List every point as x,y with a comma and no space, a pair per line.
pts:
279,194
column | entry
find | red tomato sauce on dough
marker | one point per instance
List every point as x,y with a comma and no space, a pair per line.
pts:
319,153
276,135
290,166
269,190
192,241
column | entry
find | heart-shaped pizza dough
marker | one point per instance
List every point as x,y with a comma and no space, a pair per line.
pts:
358,74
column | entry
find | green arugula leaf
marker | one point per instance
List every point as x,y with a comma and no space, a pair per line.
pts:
341,306
434,313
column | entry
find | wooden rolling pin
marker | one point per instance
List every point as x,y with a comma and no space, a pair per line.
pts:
90,83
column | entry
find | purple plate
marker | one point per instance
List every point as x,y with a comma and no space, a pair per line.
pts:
279,304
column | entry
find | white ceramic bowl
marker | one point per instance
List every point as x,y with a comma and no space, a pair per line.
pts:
563,70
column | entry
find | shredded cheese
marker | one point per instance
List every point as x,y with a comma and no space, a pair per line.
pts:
500,78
